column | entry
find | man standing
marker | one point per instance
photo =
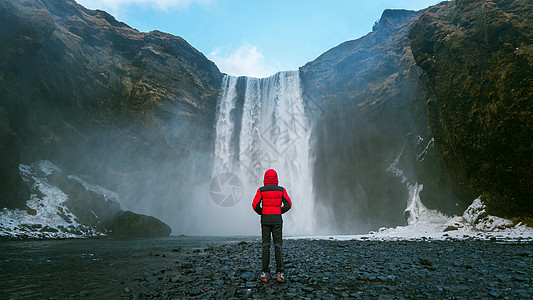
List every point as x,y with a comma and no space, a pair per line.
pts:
270,202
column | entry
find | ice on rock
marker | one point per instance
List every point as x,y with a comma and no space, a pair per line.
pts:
476,218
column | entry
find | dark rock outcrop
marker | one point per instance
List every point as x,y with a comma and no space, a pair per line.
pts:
127,224
478,57
373,137
99,99
65,206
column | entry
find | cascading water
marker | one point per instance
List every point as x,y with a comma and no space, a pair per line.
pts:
225,126
274,133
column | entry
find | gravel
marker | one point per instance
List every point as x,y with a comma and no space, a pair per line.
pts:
330,269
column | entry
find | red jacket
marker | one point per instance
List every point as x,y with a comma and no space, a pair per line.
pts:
271,200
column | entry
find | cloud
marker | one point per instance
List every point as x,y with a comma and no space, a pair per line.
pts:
246,60
116,5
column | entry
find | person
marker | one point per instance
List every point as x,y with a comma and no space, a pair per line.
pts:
271,201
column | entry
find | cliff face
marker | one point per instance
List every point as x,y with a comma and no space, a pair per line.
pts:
373,143
478,56
96,97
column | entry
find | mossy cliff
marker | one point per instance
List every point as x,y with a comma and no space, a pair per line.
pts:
478,56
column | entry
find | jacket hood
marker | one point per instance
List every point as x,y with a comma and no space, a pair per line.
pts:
271,177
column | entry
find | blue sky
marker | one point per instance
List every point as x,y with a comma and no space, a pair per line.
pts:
252,37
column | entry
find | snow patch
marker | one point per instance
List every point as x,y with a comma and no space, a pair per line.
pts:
416,212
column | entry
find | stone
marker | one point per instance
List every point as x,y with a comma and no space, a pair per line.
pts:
186,265
425,262
194,291
248,276
308,289
127,224
450,228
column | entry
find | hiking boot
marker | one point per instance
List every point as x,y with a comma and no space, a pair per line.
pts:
281,277
263,276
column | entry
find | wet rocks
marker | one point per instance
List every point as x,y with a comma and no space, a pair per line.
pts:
327,269
248,276
425,262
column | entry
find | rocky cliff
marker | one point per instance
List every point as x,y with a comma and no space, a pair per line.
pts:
100,99
478,56
373,143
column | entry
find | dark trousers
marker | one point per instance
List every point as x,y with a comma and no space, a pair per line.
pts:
275,231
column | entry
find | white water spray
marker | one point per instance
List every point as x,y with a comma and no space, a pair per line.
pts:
274,133
225,126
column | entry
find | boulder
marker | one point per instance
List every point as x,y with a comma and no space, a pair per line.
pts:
127,224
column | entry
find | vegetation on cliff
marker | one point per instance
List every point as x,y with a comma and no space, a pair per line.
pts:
478,56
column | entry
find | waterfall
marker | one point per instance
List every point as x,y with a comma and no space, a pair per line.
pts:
273,132
225,126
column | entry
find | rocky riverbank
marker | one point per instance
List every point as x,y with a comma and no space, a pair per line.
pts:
451,269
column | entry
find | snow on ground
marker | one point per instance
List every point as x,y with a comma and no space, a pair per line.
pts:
424,223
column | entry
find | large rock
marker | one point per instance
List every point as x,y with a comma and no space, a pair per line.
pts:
478,56
127,224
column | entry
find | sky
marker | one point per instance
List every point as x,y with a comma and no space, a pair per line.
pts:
256,38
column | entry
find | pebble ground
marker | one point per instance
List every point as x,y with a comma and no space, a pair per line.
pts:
330,269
